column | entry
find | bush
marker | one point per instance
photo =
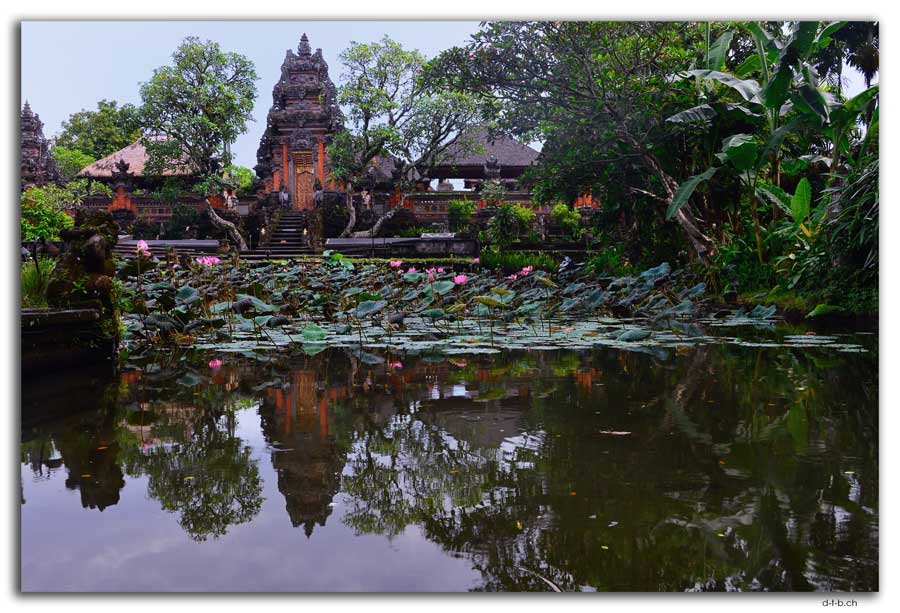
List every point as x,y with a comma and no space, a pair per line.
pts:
459,213
34,281
512,261
183,218
61,197
493,193
40,219
608,260
568,220
509,223
144,228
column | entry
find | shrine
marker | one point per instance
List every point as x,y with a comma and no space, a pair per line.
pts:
38,166
304,116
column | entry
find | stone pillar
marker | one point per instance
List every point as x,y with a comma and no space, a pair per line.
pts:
320,166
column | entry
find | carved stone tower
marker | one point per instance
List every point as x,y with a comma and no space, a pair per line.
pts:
38,166
303,118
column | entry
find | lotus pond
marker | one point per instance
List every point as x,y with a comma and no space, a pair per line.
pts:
349,428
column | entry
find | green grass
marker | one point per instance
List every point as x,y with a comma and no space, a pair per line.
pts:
34,282
512,261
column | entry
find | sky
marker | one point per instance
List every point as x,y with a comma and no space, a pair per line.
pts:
71,65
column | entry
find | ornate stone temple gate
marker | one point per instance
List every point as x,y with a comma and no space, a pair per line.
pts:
301,122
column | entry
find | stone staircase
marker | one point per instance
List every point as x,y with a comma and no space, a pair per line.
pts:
286,241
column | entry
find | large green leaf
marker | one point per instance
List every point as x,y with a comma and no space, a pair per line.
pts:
369,307
186,295
741,151
313,332
747,88
859,102
803,35
824,37
684,191
760,34
748,66
434,314
490,302
258,304
773,144
442,287
797,47
776,91
810,98
718,52
766,192
698,114
801,201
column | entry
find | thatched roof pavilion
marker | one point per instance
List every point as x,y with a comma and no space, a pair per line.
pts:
135,155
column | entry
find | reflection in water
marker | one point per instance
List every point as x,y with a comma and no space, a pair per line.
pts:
723,468
295,423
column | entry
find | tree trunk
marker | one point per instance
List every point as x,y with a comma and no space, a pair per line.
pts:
374,230
351,223
685,218
226,226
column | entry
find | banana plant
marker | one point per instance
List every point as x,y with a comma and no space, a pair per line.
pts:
787,81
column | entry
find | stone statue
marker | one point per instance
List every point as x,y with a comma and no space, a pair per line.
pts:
84,275
492,168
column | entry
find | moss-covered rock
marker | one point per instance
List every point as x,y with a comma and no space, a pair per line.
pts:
84,275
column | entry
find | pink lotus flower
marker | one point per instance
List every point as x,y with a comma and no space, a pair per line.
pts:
513,277
208,260
396,263
430,272
524,272
460,279
476,260
411,270
440,270
215,364
142,246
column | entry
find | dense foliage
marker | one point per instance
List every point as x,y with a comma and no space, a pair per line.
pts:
43,212
195,108
740,133
70,162
395,112
100,133
41,220
243,178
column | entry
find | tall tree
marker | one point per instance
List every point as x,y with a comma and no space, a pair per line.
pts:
395,112
609,81
194,110
102,132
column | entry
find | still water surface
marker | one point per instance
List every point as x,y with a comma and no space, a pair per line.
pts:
714,468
